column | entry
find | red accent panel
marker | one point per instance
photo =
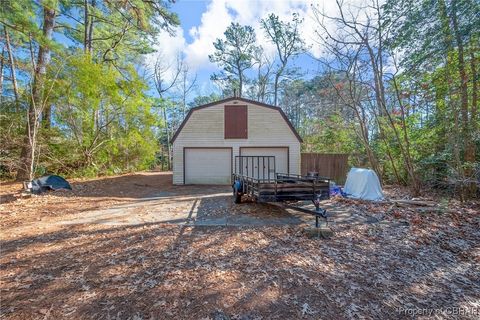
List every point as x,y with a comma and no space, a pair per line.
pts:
236,122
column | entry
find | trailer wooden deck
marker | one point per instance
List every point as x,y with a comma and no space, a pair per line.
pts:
255,178
284,187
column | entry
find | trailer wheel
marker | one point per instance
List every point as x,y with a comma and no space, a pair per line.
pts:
237,196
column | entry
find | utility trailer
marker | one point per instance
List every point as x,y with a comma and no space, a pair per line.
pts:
256,178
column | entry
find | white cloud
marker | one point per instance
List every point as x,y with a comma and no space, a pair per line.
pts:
168,48
214,21
220,13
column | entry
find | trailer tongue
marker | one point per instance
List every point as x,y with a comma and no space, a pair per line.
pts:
256,177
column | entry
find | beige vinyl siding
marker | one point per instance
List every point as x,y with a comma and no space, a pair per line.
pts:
208,166
204,128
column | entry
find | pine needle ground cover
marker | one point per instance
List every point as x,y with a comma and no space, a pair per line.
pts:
420,262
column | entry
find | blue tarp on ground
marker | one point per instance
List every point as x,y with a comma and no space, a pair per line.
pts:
51,182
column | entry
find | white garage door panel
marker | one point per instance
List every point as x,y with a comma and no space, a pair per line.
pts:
280,154
208,166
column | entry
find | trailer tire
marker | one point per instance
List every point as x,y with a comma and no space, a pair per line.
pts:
237,196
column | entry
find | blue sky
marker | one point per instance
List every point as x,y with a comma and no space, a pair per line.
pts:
190,14
204,21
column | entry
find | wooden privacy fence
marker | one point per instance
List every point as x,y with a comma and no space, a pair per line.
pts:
332,165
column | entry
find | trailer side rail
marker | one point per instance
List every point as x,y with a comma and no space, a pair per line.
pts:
256,177
283,188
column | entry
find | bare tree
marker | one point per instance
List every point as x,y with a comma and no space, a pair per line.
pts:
259,89
353,93
38,99
287,40
186,85
366,35
165,76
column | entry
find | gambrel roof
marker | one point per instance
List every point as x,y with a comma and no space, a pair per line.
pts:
248,101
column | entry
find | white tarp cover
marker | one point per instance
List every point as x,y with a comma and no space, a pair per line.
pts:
363,184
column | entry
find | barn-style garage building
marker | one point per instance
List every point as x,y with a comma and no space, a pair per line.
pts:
212,135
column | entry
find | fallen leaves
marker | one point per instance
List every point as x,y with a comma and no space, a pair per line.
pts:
402,259
149,271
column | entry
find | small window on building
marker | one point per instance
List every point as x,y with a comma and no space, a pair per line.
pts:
236,122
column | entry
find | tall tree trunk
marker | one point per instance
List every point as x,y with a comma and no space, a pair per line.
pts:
86,23
88,26
461,70
377,79
167,133
240,79
47,117
240,85
259,77
450,114
470,149
1,74
277,80
12,68
184,93
32,52
366,143
383,112
465,123
90,30
275,89
382,136
26,168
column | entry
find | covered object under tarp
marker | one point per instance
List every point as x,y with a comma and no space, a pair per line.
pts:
51,182
363,184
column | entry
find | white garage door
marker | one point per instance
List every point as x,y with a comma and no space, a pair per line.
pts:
208,166
280,154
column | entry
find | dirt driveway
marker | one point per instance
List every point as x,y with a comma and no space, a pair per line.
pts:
151,198
117,266
203,205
